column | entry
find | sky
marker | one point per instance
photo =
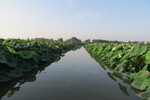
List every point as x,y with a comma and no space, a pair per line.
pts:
123,20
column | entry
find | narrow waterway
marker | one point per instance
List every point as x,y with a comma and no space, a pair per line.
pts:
77,76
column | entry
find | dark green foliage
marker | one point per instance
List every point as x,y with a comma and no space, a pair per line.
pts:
130,60
74,40
18,56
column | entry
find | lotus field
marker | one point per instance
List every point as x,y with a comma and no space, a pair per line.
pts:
130,60
19,56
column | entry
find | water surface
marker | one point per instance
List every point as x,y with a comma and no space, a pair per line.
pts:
77,76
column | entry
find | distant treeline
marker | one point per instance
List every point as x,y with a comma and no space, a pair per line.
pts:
78,41
75,40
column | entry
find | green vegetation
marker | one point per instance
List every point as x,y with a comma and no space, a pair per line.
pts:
129,60
75,41
9,88
104,41
19,56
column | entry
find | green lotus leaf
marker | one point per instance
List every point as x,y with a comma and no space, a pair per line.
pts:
113,57
8,59
33,53
4,76
124,63
147,61
11,50
94,49
43,58
128,74
148,55
142,74
126,56
4,79
117,54
35,59
109,54
100,50
118,69
33,64
15,73
27,54
114,48
25,67
135,47
145,67
145,95
2,58
139,51
141,83
148,88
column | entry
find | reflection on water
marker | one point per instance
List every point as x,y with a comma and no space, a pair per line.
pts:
75,77
123,89
9,88
123,82
111,76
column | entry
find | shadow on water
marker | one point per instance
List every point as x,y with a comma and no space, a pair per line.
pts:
123,82
9,88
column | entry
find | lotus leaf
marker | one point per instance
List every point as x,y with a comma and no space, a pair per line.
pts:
145,95
8,59
118,69
139,51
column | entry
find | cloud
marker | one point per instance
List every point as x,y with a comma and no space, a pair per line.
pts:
70,2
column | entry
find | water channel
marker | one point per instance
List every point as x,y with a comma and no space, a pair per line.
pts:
76,76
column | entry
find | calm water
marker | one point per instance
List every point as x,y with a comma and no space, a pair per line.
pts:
77,76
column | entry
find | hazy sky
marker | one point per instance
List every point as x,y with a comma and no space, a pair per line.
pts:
101,19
